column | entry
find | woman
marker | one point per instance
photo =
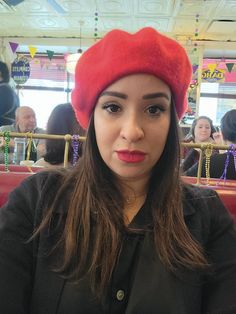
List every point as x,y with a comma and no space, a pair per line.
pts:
111,239
9,101
222,165
201,131
61,121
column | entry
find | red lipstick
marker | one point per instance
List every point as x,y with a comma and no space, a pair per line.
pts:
133,156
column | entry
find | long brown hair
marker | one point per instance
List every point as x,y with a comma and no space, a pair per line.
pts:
91,238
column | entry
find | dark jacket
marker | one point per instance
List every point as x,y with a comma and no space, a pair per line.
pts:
217,165
9,101
140,283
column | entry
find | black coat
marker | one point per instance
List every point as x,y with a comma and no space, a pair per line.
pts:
28,285
9,101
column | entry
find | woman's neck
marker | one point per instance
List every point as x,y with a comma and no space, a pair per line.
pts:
209,140
133,188
134,193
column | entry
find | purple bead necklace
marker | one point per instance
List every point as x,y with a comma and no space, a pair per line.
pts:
75,145
231,150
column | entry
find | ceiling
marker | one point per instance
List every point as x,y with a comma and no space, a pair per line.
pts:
63,20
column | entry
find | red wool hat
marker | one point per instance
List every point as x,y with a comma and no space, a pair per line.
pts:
119,54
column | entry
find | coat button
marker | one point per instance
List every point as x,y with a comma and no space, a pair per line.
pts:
120,294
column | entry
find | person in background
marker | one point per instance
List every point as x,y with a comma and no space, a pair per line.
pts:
9,101
25,121
201,131
61,121
120,232
222,162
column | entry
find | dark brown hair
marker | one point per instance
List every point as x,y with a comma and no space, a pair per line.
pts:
61,121
92,233
228,126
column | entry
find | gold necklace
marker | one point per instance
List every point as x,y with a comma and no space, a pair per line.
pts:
130,199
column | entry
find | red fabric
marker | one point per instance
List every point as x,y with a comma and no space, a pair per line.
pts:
119,54
8,182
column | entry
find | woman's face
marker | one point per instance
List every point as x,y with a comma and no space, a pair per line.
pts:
132,119
202,131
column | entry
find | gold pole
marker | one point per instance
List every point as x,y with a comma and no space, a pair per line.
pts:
67,138
41,136
199,169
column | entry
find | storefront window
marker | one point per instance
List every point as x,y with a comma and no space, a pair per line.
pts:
218,88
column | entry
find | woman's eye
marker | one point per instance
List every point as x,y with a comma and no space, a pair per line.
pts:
112,108
154,110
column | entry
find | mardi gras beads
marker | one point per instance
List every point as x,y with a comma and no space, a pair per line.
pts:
95,25
29,145
230,151
208,153
234,154
6,136
75,146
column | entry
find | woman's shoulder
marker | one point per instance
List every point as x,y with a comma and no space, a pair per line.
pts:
205,214
206,204
44,182
203,201
195,194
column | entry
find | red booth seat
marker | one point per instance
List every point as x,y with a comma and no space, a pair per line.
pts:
18,168
227,192
8,181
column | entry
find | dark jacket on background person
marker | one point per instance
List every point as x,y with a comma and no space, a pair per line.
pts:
9,101
191,158
217,165
140,283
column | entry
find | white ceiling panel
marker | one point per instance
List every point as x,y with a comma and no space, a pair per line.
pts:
147,7
177,18
228,8
222,27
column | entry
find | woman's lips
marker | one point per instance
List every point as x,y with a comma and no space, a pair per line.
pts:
131,156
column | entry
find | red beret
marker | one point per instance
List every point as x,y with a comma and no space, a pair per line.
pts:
119,54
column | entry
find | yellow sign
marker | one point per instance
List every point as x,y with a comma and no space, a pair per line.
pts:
218,75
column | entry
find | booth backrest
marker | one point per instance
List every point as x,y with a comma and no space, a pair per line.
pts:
8,181
227,192
18,168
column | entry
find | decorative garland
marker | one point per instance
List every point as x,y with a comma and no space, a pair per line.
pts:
232,151
75,145
6,136
196,34
95,25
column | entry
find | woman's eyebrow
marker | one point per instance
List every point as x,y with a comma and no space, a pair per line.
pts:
156,95
116,94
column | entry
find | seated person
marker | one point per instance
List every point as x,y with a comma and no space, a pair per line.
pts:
9,100
61,121
25,121
201,131
218,162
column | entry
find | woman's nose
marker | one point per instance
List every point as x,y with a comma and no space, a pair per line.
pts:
132,129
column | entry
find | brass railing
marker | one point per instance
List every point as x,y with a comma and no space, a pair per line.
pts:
202,147
67,138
